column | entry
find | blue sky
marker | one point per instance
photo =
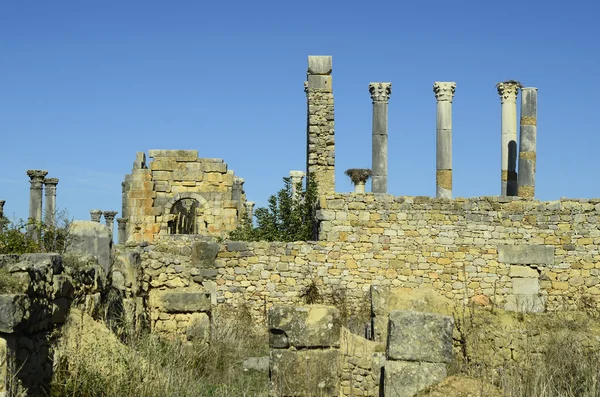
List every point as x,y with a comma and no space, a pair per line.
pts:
84,85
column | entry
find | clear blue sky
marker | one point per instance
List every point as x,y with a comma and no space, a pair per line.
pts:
84,85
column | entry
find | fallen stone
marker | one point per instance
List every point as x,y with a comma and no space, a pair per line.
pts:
14,309
461,386
260,364
304,326
91,238
296,373
405,379
199,328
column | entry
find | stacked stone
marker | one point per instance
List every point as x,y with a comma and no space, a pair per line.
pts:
380,94
151,190
419,346
304,342
528,140
508,92
320,129
361,366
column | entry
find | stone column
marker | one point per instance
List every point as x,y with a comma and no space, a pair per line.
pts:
380,93
250,209
320,154
50,192
2,214
296,178
109,218
444,92
236,190
508,97
527,146
96,215
122,230
35,199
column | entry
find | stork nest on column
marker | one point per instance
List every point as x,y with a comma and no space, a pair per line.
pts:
359,175
510,82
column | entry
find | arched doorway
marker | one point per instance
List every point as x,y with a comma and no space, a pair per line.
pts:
183,219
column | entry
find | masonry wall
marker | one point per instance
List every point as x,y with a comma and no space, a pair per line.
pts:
152,190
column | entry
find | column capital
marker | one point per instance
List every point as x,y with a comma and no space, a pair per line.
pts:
508,90
51,182
110,215
2,202
121,221
96,215
380,92
296,174
444,90
37,177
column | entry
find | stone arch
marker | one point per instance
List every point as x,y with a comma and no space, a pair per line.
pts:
182,213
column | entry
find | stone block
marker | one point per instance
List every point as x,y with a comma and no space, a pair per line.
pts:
319,82
420,336
184,155
523,271
526,254
215,167
14,309
235,246
260,364
91,238
405,379
60,308
296,373
525,303
204,254
304,326
526,286
181,301
196,176
319,64
199,327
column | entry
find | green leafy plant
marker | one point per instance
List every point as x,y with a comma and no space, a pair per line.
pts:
289,217
20,237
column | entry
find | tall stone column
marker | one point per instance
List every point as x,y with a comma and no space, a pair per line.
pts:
444,92
50,192
109,218
237,188
528,142
122,230
508,97
380,94
320,154
35,199
250,209
296,178
96,215
2,214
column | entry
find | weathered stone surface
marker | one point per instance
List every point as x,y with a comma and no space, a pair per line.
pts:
204,254
523,271
235,246
526,254
91,238
419,336
256,364
525,303
405,379
14,308
182,154
461,386
199,327
319,64
305,373
304,326
181,301
526,286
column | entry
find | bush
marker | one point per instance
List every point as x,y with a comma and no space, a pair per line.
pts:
20,237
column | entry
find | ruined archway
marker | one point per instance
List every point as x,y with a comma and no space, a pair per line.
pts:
182,213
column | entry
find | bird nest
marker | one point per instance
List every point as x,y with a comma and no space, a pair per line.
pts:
359,175
511,82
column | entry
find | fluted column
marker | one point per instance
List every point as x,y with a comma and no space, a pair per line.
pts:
444,93
109,219
296,179
35,200
50,192
122,230
508,97
95,215
528,142
380,94
320,151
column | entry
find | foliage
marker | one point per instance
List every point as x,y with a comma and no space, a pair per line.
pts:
288,217
20,237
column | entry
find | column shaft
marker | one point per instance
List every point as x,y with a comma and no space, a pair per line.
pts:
508,96
35,200
122,230
50,193
380,93
109,218
320,151
528,142
444,93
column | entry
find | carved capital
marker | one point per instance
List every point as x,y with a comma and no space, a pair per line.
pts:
109,216
50,184
2,202
122,222
37,178
380,92
508,91
306,87
96,215
444,90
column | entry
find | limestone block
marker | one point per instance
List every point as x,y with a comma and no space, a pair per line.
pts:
305,373
319,64
260,364
420,336
526,254
304,326
163,176
91,238
523,271
184,155
180,301
526,286
14,309
204,254
405,379
199,327
60,308
235,246
525,303
320,82
215,167
196,176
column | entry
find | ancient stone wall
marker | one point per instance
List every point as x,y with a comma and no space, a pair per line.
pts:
179,193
